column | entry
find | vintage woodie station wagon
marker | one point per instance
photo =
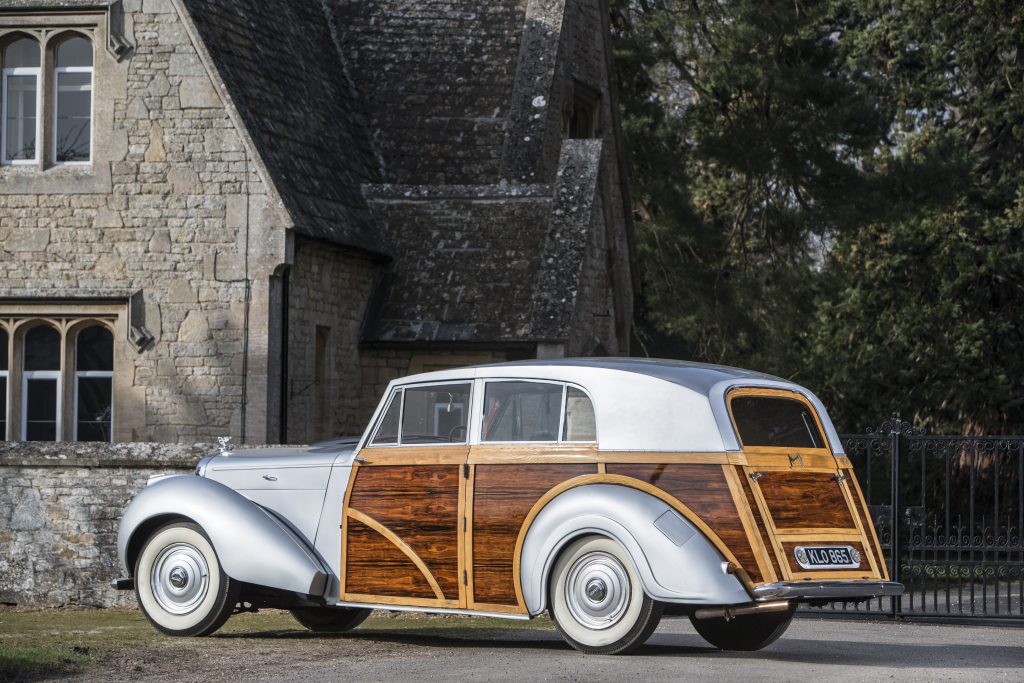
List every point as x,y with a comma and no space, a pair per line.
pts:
606,491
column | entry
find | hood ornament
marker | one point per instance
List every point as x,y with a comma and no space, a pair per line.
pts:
225,444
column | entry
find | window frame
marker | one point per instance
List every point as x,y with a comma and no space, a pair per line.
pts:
57,70
481,413
72,337
400,390
7,72
43,375
20,320
826,449
30,375
5,374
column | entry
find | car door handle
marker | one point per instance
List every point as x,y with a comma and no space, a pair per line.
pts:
359,460
269,477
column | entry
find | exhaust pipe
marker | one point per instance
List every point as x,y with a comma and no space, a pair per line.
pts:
730,611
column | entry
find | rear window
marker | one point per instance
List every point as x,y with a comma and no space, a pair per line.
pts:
775,421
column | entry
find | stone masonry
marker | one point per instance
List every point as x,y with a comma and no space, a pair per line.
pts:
59,512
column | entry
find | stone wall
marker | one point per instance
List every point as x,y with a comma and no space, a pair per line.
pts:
60,506
329,288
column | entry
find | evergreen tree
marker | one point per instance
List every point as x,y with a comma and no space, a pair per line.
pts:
745,130
921,308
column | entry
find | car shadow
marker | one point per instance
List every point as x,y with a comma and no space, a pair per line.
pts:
886,654
793,650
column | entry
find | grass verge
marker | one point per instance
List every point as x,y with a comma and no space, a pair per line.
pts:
39,644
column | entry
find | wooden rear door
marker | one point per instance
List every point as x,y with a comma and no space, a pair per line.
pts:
806,498
402,531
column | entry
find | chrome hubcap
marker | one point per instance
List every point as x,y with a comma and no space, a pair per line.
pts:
180,578
597,590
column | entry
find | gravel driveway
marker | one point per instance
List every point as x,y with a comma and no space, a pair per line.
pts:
409,648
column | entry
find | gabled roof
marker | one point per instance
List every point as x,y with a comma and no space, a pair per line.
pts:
280,64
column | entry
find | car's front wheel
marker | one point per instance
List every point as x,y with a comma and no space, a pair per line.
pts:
330,619
179,582
744,632
597,601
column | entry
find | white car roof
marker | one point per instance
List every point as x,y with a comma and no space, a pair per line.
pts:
646,404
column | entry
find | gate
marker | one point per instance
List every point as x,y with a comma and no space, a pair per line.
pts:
957,527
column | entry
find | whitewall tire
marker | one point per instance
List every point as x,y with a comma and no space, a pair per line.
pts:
597,601
179,582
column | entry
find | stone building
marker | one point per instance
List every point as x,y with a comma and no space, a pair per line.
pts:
246,217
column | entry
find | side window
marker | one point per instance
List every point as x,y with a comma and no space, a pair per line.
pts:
435,414
72,106
41,385
387,430
775,421
522,411
580,423
3,384
94,384
20,94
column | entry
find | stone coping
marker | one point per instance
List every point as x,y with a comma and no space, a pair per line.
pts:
138,455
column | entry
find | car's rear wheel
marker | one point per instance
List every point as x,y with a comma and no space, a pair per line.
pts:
330,619
744,632
179,582
597,601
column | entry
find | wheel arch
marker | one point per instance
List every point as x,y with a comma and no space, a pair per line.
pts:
242,533
611,506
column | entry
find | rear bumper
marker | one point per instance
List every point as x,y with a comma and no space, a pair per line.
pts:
827,590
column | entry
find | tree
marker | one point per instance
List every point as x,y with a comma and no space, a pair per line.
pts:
746,130
923,306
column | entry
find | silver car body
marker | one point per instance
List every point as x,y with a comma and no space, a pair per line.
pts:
273,514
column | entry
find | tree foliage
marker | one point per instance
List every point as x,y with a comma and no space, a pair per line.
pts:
834,192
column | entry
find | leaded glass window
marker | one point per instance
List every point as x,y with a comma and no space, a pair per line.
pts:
20,100
41,384
94,384
72,138
4,360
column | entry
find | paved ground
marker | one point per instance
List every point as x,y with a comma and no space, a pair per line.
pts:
462,649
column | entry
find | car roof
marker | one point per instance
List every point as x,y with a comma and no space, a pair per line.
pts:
643,413
697,377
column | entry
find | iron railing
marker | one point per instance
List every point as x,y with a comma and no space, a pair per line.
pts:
959,504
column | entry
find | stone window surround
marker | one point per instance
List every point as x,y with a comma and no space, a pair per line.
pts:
109,83
68,319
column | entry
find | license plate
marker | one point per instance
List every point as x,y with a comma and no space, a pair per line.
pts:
827,557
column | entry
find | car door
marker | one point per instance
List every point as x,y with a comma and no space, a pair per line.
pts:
401,530
529,437
806,497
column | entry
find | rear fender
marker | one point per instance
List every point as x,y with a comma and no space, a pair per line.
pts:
675,561
251,544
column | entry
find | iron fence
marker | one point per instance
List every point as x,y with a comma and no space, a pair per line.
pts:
957,527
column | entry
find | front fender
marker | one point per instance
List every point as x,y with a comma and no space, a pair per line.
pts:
675,561
251,544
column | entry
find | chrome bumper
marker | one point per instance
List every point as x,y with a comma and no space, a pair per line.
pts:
827,590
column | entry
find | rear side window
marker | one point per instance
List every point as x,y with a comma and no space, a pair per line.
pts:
522,411
537,411
775,421
580,422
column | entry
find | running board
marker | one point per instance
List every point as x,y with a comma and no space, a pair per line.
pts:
435,610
